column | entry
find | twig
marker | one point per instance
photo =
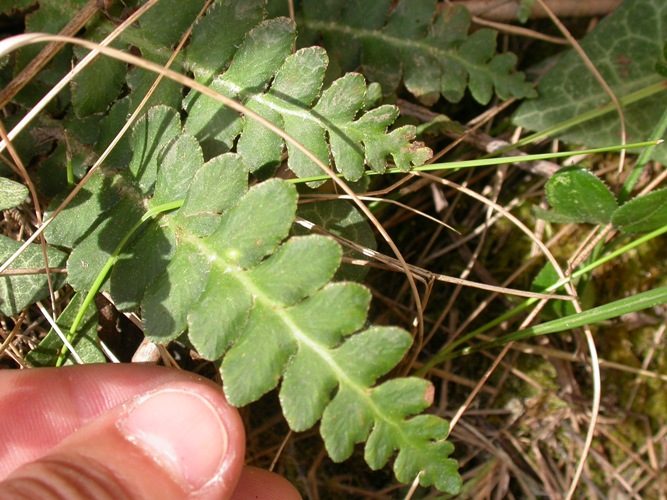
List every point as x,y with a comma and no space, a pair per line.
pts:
47,53
506,10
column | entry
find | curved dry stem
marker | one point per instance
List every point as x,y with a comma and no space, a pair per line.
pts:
38,209
10,44
570,288
591,67
13,43
18,41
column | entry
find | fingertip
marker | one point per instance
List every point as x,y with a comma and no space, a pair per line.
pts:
180,440
187,433
262,484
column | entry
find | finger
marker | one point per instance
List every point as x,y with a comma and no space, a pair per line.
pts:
181,440
43,406
264,485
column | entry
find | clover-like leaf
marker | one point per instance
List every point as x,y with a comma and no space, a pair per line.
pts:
578,195
643,213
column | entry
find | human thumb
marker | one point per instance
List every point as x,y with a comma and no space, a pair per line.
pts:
181,440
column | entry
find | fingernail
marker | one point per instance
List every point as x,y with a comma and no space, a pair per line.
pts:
181,431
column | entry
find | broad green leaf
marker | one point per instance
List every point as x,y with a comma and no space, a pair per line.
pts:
12,193
142,260
299,79
167,20
430,461
179,161
85,342
242,237
102,239
154,130
224,270
217,35
238,242
408,397
255,62
642,214
19,291
167,93
260,148
74,224
349,420
214,125
200,210
430,52
98,85
109,126
170,297
204,256
579,195
112,203
267,344
299,268
624,48
260,56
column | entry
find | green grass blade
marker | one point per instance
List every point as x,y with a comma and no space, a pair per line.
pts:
602,313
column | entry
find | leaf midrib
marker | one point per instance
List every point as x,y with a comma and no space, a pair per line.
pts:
301,337
398,43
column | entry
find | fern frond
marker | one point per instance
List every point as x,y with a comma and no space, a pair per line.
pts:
285,88
224,267
432,53
225,271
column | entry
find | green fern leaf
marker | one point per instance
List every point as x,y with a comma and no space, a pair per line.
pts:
285,88
244,56
432,53
225,271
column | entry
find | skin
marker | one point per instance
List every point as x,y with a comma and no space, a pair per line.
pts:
70,433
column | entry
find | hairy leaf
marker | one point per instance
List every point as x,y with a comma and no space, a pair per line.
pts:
225,271
578,194
242,55
642,214
183,239
285,89
19,291
97,86
624,48
11,193
430,50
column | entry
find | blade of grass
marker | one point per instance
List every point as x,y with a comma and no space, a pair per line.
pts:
90,296
643,159
445,354
612,310
485,162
